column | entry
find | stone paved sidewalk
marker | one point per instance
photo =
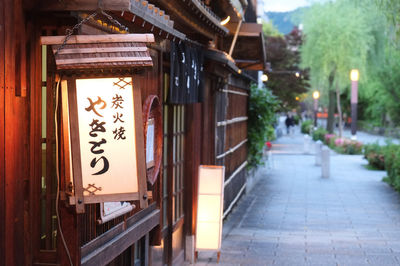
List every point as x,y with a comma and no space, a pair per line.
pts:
294,217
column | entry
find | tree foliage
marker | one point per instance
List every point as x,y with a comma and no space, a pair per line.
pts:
284,57
270,30
337,39
391,9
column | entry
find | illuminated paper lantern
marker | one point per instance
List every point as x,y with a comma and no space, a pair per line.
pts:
102,130
210,208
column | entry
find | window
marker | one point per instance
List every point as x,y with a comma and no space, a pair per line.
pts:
173,158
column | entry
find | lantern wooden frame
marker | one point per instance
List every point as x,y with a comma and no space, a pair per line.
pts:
98,56
72,147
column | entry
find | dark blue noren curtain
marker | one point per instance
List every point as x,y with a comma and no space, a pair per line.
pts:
186,80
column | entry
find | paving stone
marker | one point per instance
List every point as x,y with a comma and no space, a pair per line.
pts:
294,217
382,260
352,260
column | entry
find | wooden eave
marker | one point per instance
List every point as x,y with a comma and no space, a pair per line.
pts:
222,58
88,52
207,12
153,15
249,51
238,7
131,11
193,18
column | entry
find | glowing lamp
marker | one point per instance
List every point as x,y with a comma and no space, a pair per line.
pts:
226,20
210,208
264,78
297,74
316,95
354,75
102,129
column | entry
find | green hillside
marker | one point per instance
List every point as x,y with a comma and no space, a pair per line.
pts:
285,21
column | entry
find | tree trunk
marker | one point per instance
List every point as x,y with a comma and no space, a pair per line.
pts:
339,108
331,104
331,111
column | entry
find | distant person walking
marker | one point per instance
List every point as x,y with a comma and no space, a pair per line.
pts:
289,122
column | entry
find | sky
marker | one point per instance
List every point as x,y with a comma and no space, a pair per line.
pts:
283,5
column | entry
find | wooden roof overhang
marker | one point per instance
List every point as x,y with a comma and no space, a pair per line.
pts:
222,58
129,12
93,52
194,18
234,8
249,51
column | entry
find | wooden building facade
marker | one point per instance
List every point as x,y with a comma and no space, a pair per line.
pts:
204,123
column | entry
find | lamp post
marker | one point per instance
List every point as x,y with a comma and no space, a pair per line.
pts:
354,76
316,97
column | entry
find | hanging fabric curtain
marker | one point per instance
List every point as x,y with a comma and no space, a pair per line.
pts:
186,82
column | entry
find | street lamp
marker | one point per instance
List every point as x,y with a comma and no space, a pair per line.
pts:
354,76
264,78
316,97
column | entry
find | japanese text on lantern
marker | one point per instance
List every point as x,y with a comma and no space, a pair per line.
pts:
107,134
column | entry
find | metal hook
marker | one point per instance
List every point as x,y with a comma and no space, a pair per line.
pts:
144,23
167,35
133,19
159,34
173,39
152,28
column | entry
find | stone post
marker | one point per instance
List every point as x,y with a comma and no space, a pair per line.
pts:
325,163
306,144
318,152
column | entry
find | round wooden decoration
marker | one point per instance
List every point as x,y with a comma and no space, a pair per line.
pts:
152,110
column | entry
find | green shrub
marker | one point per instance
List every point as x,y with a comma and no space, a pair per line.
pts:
375,155
307,126
329,140
319,134
343,145
392,165
262,108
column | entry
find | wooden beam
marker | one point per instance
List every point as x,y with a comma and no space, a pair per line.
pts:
192,148
111,249
2,140
247,29
102,60
75,143
101,50
109,38
84,5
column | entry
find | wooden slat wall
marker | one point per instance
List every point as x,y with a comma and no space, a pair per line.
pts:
232,102
16,141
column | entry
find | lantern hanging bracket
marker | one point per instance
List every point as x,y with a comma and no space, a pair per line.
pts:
69,32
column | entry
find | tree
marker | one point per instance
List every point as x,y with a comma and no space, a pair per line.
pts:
284,57
391,9
337,39
270,30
